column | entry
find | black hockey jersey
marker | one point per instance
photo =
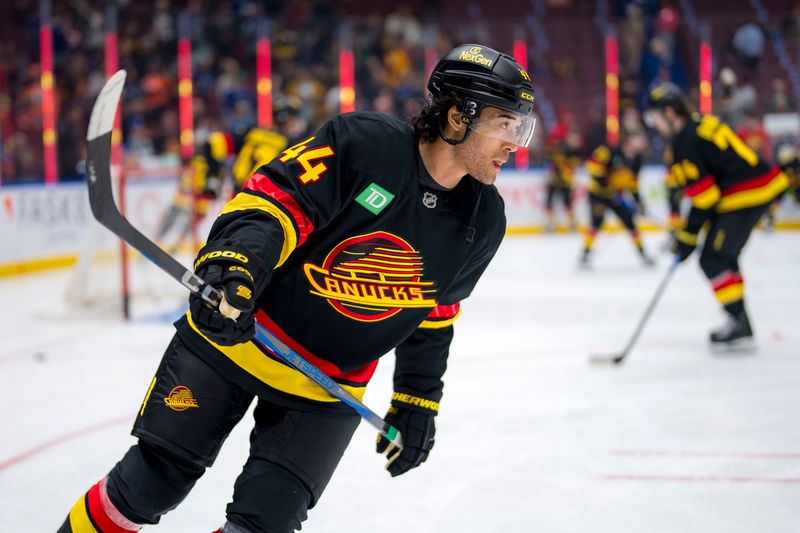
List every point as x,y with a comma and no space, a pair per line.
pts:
719,172
367,253
610,172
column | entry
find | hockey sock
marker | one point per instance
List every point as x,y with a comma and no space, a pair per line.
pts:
637,240
94,512
735,308
729,291
588,239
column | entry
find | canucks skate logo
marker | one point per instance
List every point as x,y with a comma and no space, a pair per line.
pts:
180,399
372,277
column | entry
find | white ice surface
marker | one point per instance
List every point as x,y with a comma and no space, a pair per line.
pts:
530,438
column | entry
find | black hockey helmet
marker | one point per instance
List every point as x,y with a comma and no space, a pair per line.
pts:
486,77
668,95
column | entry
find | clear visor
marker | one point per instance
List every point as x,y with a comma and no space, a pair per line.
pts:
506,126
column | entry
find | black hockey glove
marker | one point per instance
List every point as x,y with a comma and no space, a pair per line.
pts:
684,244
414,418
232,270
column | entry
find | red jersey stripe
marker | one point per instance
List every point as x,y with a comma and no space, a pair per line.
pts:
445,311
753,183
706,182
358,375
262,183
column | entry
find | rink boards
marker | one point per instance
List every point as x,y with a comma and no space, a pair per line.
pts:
47,227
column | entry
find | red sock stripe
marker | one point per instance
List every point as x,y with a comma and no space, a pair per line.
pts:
445,311
261,183
727,280
98,513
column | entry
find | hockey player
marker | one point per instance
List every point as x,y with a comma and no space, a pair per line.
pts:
358,240
674,198
240,152
565,158
730,188
613,178
790,165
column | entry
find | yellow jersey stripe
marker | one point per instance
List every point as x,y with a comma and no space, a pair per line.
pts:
750,198
277,375
244,201
439,324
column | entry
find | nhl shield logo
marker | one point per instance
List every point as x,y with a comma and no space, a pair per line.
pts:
429,200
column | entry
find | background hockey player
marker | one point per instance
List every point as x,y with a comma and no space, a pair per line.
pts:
565,158
730,188
614,185
790,165
238,154
674,197
362,238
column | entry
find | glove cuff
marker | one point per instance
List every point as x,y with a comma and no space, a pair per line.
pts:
229,252
415,403
686,237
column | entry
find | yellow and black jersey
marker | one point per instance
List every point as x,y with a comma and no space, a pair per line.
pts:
367,253
610,172
564,162
252,149
791,167
719,172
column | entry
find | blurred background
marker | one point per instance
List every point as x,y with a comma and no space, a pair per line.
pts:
196,67
754,48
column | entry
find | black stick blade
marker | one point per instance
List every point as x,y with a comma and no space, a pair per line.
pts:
607,360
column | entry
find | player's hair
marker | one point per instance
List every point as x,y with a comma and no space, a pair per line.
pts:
430,121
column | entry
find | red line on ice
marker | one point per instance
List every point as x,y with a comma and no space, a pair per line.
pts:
704,479
52,443
688,454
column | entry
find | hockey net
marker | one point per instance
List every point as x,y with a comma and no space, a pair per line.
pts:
110,280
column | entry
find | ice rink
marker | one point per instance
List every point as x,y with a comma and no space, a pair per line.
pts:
530,438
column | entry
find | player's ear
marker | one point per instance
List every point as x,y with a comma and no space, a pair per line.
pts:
454,117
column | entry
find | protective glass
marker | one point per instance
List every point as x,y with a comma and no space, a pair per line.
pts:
506,126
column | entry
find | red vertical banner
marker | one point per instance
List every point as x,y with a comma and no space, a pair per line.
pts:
521,158
347,82
49,138
112,65
111,57
185,116
612,90
264,76
705,78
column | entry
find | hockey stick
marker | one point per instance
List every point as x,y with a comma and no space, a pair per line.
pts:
615,359
106,212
